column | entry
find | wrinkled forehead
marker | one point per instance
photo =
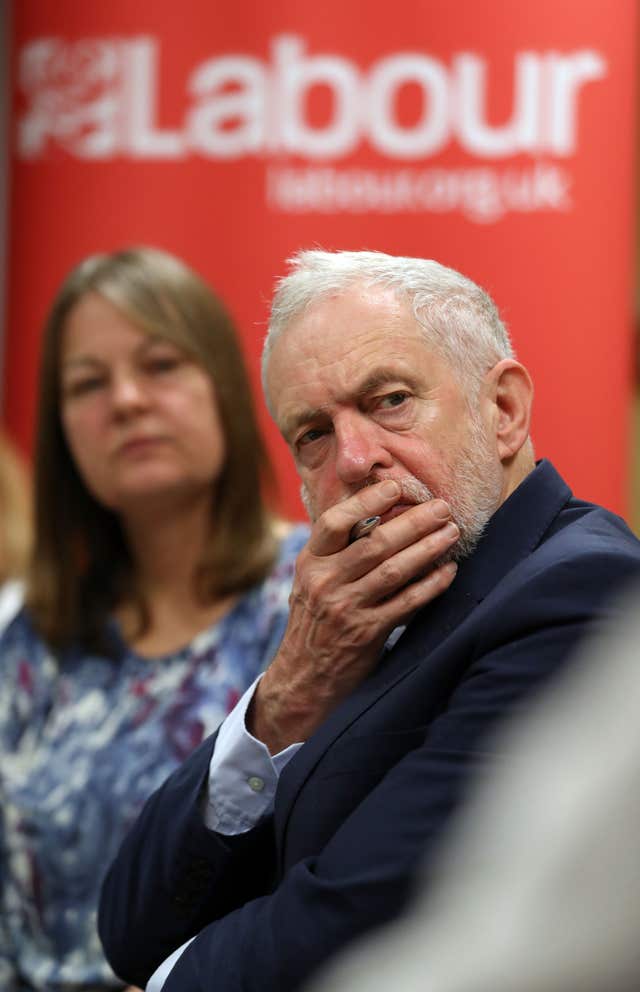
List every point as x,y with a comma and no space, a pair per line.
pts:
298,306
343,343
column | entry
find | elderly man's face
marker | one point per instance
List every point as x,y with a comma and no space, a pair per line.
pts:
360,397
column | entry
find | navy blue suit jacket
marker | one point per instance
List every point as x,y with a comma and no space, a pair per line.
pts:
365,800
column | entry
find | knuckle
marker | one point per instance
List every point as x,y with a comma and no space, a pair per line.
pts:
316,586
310,581
329,526
366,501
378,542
411,597
438,580
370,550
390,573
441,538
339,519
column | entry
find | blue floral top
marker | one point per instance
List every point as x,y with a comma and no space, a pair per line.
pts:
83,744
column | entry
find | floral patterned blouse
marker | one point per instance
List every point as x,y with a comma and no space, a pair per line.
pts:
83,741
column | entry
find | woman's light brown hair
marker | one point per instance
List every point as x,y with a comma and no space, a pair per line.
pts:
15,512
81,565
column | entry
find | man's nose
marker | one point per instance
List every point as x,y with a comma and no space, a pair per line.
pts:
360,449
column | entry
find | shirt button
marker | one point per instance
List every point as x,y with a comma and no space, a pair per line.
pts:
256,784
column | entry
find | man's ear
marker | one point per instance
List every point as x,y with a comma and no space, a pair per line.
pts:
510,390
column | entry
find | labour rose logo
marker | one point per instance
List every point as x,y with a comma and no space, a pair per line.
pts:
71,95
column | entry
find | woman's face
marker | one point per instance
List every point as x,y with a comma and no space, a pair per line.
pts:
139,415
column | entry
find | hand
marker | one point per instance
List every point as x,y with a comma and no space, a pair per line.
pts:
346,600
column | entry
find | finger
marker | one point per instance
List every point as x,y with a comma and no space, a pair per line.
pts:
400,608
412,562
330,533
394,535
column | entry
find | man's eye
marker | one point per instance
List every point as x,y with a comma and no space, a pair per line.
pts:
393,399
310,436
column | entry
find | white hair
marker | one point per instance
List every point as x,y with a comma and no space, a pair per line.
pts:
459,319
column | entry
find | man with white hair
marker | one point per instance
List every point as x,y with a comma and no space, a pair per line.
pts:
300,824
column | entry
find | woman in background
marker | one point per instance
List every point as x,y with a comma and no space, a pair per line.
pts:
157,592
15,527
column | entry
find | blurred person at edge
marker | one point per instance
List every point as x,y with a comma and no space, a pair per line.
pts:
15,527
158,590
537,888
395,384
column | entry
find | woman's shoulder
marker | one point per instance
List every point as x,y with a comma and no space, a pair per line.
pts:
291,538
11,601
21,645
19,631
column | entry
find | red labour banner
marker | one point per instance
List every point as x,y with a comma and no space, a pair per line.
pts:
496,138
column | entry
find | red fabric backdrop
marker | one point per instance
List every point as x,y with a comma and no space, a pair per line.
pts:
494,137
